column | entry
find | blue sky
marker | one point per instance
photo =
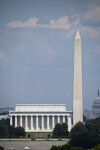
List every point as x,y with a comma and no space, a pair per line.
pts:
37,51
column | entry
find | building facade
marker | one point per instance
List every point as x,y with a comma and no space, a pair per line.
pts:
88,114
40,117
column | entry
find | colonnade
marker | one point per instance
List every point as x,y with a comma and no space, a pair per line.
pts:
37,123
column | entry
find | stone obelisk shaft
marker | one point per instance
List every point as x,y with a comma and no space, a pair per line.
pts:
77,97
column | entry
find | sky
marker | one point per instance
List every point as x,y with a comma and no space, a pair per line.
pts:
37,51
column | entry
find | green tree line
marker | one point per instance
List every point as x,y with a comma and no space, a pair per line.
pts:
86,135
8,131
82,135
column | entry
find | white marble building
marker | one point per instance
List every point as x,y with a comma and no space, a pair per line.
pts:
40,117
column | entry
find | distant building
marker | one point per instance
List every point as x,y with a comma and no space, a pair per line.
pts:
88,114
4,112
95,112
4,116
96,106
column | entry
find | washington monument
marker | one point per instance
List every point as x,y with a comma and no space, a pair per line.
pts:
77,95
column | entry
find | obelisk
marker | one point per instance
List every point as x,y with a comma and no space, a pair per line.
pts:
77,95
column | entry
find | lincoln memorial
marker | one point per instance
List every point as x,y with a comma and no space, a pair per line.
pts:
40,117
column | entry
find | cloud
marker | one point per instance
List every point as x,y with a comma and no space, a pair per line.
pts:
61,23
70,24
90,31
32,22
90,20
75,19
92,14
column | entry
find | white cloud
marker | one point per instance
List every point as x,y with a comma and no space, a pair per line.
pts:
61,23
88,30
70,24
32,22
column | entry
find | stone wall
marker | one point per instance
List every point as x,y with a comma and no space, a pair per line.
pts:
39,135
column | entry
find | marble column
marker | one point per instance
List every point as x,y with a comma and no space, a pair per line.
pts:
69,123
26,123
15,121
63,119
53,122
47,122
11,121
21,121
58,119
36,122
31,122
42,122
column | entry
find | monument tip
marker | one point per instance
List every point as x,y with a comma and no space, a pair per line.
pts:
77,35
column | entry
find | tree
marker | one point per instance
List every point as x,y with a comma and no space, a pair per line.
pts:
60,131
93,125
6,130
19,132
86,135
65,147
3,131
5,122
64,130
57,130
11,131
78,135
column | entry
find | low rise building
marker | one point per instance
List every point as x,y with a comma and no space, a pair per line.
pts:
40,117
4,116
